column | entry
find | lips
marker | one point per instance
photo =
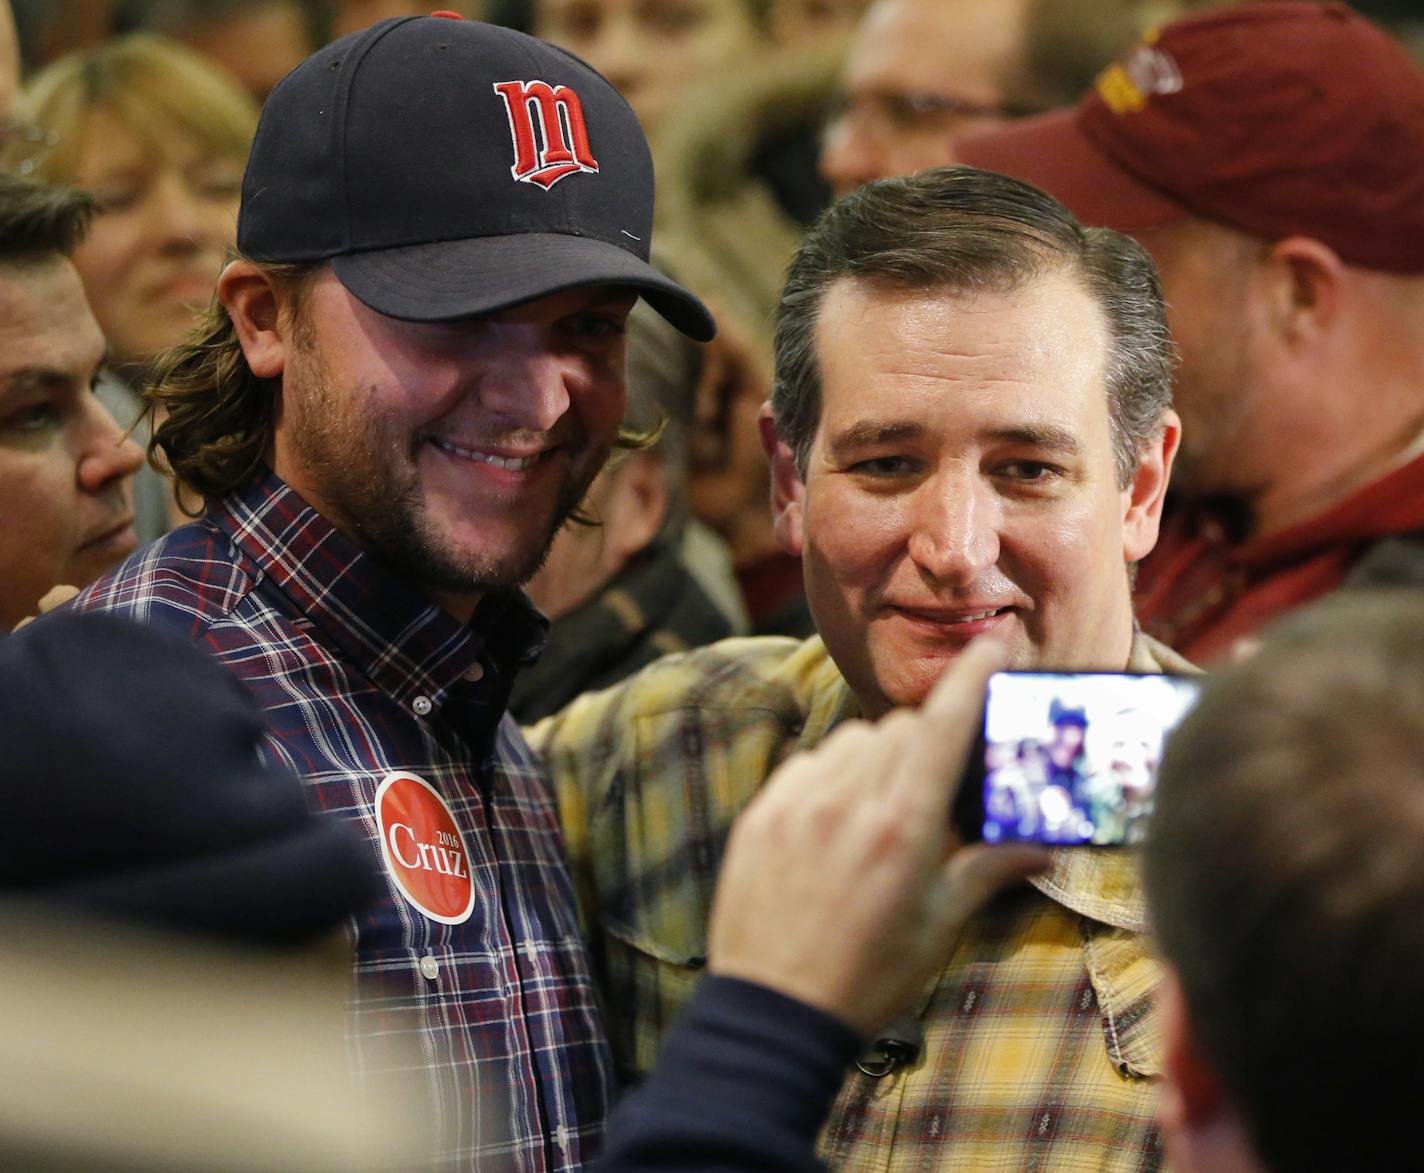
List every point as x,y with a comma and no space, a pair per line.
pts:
957,616
118,539
514,463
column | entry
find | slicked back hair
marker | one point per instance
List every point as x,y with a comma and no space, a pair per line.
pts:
962,231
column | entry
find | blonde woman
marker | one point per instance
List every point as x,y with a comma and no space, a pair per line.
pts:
159,135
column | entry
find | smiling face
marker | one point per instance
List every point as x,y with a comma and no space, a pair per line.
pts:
66,468
961,481
453,450
167,217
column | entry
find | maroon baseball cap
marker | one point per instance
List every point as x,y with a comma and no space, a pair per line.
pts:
1277,119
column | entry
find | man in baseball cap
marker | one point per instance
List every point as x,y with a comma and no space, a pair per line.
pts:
1271,157
410,375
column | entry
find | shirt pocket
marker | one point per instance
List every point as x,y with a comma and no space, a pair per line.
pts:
647,979
1125,974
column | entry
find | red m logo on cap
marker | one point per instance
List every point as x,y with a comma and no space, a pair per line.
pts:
560,146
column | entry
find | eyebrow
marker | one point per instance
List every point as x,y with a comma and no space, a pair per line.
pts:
37,378
1046,436
868,433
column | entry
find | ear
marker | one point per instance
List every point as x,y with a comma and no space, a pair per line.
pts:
1191,1096
788,493
1305,289
253,303
1143,498
635,511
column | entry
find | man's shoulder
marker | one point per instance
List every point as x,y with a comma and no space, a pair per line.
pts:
740,675
187,580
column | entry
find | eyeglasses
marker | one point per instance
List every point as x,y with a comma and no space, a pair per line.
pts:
24,144
901,111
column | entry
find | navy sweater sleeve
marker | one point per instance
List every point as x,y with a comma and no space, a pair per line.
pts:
743,1081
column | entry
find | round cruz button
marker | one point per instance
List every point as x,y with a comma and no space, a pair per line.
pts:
423,850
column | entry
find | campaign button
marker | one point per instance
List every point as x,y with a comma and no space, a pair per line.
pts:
423,849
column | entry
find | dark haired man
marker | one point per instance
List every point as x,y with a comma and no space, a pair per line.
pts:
1271,158
66,468
1285,880
411,375
970,434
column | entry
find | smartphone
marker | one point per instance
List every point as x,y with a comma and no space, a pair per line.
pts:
1069,758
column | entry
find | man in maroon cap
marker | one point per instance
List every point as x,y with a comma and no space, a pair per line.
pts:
1271,157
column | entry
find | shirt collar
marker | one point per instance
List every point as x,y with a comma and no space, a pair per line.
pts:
1106,884
382,625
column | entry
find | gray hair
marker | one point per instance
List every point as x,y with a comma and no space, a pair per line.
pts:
963,230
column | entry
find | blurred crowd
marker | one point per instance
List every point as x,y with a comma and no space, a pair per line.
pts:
1261,167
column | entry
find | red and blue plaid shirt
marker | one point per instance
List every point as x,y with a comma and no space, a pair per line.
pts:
361,677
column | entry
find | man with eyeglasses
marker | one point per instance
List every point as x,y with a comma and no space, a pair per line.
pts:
921,72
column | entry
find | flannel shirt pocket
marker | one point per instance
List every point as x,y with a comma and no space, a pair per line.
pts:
647,981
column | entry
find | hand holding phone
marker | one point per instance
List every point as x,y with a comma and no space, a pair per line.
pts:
1069,758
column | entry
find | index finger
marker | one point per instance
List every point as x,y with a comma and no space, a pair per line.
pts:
947,723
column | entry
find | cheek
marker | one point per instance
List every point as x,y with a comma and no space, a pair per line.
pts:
104,258
220,223
856,537
36,522
1078,556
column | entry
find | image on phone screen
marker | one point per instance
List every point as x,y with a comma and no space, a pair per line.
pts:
1072,758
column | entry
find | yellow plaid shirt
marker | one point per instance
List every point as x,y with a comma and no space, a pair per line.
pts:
1039,1035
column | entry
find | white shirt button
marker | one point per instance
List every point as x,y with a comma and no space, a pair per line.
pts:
561,1138
429,967
475,672
422,706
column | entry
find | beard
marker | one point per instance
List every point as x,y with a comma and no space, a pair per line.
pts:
365,470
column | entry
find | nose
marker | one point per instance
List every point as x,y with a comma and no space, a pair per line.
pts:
619,54
850,151
954,536
181,218
107,456
530,391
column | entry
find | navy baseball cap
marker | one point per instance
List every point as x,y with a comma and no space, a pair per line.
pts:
134,790
448,168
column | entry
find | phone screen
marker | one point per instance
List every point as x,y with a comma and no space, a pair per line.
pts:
1070,758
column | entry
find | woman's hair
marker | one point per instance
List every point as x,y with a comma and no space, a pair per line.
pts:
153,86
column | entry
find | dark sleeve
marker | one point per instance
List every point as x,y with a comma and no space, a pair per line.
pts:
743,1081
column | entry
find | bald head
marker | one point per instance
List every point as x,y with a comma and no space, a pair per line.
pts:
920,72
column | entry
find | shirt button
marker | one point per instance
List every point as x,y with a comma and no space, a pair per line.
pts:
422,706
429,967
475,672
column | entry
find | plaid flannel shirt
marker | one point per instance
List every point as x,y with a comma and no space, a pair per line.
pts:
359,677
1039,1040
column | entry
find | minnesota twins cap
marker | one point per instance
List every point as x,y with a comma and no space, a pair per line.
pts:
1276,118
448,168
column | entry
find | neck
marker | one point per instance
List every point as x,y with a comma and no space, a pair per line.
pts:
1331,462
457,604
1351,407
